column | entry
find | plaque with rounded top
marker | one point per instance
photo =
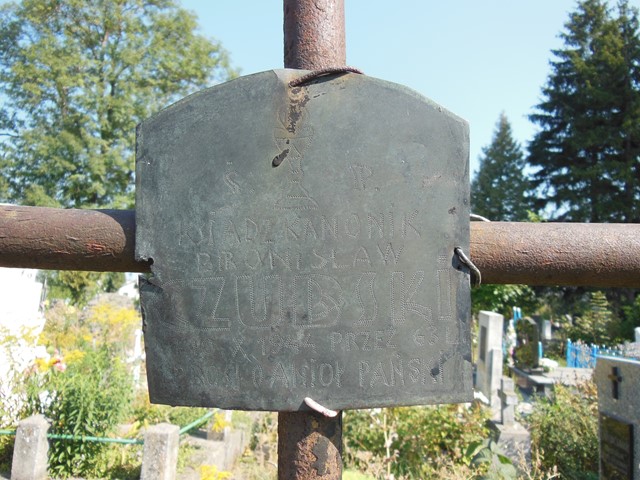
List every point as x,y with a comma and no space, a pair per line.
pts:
302,240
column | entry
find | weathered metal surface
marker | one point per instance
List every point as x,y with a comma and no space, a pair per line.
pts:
588,254
311,446
57,239
566,254
314,34
313,49
331,276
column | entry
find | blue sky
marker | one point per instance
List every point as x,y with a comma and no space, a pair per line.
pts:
475,58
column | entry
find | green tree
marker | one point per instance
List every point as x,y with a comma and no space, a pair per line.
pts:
76,76
502,298
587,151
499,192
499,189
597,324
80,287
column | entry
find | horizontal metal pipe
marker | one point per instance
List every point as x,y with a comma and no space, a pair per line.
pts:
59,239
578,254
198,422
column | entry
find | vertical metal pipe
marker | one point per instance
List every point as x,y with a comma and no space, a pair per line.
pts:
310,445
314,35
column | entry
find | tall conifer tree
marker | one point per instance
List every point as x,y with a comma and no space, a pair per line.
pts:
587,151
499,189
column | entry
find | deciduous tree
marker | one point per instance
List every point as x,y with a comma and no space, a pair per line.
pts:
76,76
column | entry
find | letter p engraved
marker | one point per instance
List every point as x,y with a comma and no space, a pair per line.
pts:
359,175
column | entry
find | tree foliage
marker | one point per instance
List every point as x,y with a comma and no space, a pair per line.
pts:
499,189
80,287
587,151
76,76
597,324
502,298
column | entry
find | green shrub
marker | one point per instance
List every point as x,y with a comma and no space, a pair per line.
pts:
6,453
564,431
411,441
147,413
490,462
88,398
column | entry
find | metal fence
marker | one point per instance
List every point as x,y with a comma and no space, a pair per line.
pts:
124,441
583,355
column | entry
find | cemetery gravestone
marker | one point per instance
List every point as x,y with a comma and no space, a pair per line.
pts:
508,401
526,352
618,383
546,330
511,436
489,358
303,243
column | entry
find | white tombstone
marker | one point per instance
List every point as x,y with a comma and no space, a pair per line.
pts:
637,332
489,359
546,330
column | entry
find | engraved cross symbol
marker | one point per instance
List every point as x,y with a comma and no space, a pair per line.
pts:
615,378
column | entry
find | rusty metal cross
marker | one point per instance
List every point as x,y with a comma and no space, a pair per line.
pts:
604,255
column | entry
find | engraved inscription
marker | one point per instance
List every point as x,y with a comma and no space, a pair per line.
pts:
397,371
205,295
304,301
366,296
292,137
231,183
360,174
364,340
404,298
264,306
299,251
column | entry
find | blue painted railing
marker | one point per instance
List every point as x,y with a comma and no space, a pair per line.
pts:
582,355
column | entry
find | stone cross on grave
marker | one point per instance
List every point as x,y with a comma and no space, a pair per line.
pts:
616,379
508,401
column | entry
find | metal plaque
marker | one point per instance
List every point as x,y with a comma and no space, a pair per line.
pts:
616,448
303,242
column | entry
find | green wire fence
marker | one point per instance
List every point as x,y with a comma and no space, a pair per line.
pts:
129,441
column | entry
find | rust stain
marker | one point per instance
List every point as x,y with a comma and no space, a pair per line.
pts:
96,248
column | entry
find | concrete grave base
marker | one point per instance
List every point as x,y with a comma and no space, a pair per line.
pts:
514,440
221,449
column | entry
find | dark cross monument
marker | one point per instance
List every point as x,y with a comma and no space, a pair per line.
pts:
615,378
